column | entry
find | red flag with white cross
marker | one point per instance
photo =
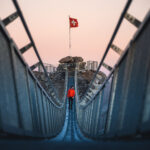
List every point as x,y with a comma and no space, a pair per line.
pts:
73,22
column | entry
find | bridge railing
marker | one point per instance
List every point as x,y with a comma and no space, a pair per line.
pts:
25,107
27,47
120,107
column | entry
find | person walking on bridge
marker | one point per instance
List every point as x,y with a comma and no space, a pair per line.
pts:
70,95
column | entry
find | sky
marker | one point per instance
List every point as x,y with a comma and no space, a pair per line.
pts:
49,25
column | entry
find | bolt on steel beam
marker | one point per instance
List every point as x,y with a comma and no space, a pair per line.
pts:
35,65
10,18
132,20
116,49
25,48
107,66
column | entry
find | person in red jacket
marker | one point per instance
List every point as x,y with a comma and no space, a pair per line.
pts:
70,95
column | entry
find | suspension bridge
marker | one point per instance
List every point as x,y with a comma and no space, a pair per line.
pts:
112,115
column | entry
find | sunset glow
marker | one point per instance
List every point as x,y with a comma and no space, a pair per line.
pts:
49,25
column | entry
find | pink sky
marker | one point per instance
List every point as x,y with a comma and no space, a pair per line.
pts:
48,23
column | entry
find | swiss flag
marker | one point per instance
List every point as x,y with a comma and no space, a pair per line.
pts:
73,22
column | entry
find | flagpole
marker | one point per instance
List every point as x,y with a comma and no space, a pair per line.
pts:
69,38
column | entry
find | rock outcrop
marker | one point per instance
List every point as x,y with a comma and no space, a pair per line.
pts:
70,59
58,81
71,63
58,77
84,78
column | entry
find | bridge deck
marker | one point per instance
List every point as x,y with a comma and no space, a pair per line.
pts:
70,131
71,138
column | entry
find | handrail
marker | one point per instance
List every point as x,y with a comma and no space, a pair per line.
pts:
34,46
38,114
109,112
110,42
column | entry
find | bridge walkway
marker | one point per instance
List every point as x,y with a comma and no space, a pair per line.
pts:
70,131
70,138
